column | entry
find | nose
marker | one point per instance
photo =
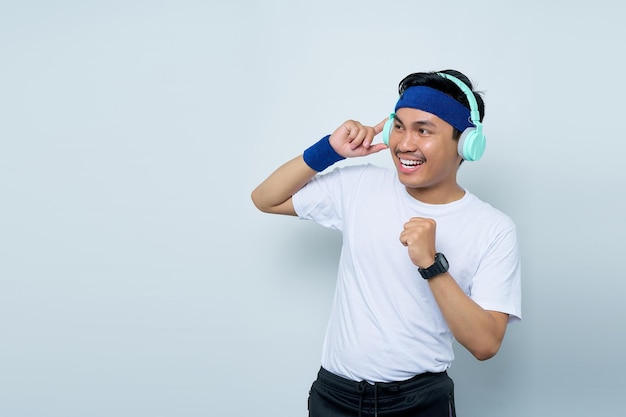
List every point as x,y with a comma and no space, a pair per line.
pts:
407,142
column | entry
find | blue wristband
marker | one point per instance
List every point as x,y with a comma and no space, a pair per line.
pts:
321,155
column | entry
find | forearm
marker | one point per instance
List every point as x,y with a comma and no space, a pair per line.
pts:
274,194
478,330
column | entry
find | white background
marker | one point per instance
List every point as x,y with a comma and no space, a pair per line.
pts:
136,277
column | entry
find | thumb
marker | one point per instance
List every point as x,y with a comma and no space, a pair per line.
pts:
379,127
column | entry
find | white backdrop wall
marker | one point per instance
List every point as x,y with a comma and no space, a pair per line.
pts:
137,279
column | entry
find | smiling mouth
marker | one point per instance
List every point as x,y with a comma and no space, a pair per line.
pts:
411,163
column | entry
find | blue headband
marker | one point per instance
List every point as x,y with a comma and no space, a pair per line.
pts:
440,104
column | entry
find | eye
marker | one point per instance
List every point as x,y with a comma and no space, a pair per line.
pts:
397,126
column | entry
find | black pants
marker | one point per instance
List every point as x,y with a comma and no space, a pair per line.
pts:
425,395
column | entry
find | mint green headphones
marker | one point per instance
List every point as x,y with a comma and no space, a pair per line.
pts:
472,142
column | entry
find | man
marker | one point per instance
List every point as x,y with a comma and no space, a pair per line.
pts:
423,260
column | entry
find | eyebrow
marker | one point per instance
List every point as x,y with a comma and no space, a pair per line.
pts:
417,123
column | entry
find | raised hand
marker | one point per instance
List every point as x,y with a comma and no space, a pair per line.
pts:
353,139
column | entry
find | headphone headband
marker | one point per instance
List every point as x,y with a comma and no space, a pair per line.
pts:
474,112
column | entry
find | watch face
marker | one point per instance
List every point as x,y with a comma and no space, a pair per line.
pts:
442,259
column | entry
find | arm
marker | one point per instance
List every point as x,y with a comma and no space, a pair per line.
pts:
274,194
351,139
480,331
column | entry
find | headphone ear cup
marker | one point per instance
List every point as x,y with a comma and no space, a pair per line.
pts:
472,144
386,132
387,129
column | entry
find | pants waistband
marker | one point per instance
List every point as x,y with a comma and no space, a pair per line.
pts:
353,387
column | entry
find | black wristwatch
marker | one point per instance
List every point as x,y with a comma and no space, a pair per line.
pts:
439,267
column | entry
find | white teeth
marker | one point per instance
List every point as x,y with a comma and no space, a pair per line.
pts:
410,162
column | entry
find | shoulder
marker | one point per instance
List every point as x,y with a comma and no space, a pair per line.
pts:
346,183
485,213
362,169
356,173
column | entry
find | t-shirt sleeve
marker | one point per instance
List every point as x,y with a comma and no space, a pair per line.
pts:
497,283
320,200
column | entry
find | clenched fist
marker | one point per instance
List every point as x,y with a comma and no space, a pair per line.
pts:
419,237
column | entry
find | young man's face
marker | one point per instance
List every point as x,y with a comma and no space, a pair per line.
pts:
425,155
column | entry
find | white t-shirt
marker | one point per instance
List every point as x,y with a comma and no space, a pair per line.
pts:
385,324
